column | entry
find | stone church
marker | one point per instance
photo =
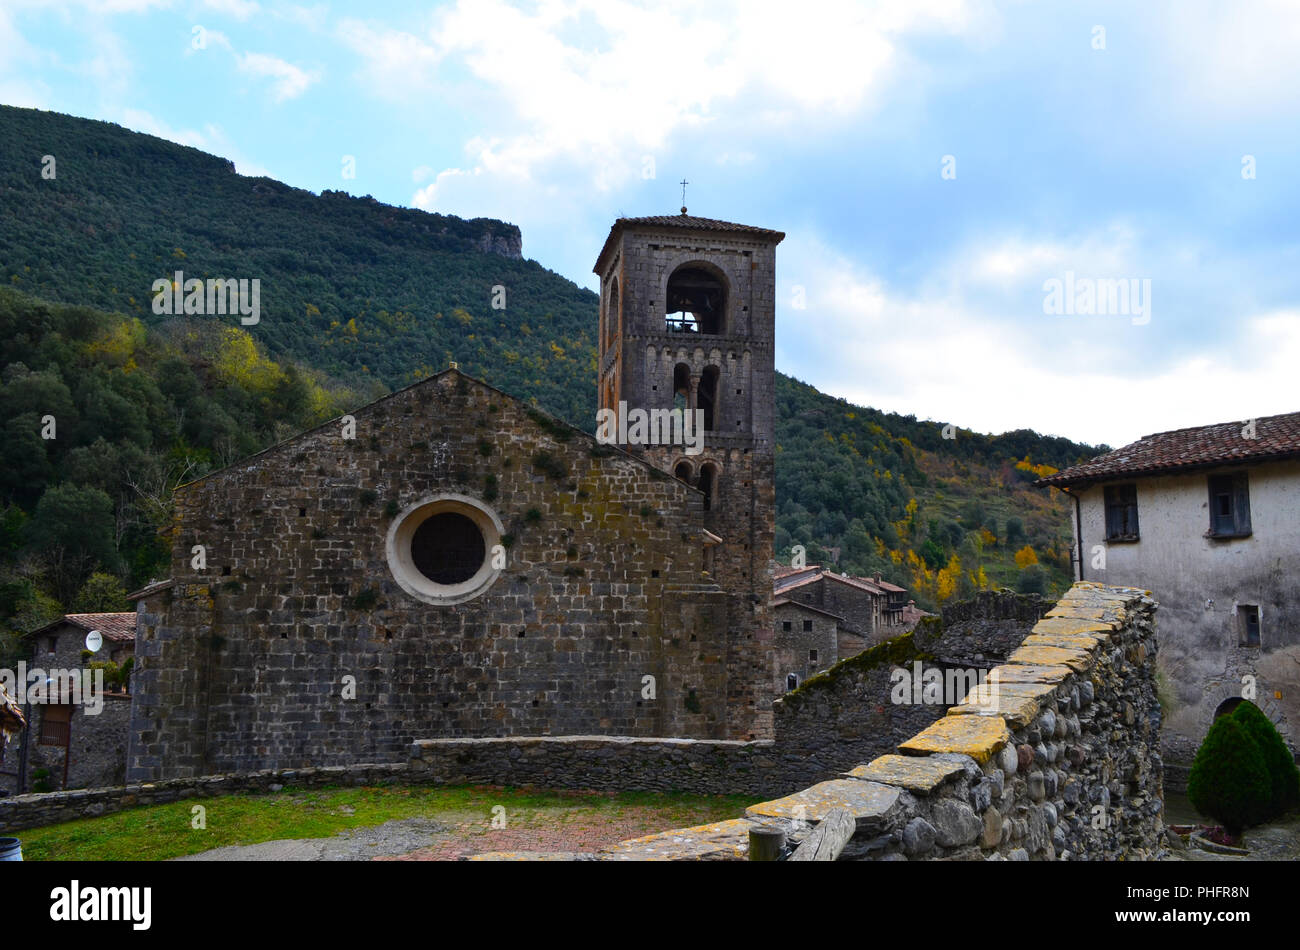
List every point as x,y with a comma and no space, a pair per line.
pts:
450,561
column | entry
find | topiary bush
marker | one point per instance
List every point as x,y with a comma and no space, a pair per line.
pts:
1282,772
1229,780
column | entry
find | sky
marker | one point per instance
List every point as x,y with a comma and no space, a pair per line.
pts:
1077,218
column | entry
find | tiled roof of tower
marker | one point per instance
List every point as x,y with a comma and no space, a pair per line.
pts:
690,222
684,222
1225,443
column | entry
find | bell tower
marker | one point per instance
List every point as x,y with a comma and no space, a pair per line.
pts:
687,321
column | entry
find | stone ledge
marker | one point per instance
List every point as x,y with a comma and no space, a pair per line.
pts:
867,802
720,841
919,774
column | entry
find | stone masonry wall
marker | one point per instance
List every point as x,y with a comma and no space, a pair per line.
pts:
241,663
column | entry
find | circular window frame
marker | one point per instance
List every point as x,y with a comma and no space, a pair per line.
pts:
402,530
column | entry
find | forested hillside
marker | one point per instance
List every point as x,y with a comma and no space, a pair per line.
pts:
359,298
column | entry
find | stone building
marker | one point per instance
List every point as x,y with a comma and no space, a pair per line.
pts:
451,562
74,744
1208,520
810,640
822,617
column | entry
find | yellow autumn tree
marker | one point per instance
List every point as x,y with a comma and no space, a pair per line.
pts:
1025,557
238,360
945,583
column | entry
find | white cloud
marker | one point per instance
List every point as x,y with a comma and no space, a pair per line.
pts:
290,81
598,84
950,352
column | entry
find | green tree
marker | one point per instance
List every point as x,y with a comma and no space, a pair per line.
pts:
102,593
73,530
1229,779
1283,775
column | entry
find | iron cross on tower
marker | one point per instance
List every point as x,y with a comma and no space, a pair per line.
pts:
684,183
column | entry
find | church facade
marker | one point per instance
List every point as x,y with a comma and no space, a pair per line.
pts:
450,561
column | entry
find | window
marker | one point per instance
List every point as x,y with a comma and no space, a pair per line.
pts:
697,301
1247,625
1229,506
612,315
792,681
812,656
708,483
807,626
786,625
440,550
56,723
1121,513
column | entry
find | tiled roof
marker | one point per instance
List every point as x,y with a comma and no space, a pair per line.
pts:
791,578
117,627
691,222
684,222
1226,443
794,577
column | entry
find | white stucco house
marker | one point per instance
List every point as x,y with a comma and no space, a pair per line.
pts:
1208,519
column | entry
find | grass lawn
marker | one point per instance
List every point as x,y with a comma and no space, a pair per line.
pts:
157,832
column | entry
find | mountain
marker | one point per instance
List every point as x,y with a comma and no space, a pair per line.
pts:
358,298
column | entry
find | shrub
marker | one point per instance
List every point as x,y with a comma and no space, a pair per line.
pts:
1032,580
1282,772
1229,780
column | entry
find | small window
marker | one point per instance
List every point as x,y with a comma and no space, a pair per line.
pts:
51,644
1229,506
786,625
812,656
1121,513
1248,625
56,724
792,681
807,626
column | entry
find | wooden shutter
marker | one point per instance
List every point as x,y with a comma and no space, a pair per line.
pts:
1241,504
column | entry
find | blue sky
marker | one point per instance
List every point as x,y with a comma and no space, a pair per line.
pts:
1103,140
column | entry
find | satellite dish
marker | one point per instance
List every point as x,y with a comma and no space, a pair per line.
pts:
94,640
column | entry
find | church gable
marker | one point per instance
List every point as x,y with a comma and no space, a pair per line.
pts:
476,566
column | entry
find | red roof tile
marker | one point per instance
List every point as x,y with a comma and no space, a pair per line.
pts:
116,627
1226,443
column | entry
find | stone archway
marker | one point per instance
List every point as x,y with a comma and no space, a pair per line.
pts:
1225,698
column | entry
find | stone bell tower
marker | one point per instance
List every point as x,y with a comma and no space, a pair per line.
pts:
687,321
